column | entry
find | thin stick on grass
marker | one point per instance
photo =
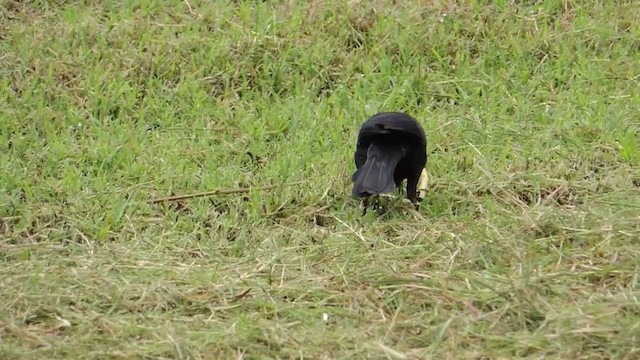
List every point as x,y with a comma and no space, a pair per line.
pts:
356,233
218,192
317,210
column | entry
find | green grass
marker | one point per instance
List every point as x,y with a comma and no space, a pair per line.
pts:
526,246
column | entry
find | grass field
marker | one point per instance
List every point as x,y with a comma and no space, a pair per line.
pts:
526,246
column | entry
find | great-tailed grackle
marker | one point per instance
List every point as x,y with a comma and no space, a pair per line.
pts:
391,148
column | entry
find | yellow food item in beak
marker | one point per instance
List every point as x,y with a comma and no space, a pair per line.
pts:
423,184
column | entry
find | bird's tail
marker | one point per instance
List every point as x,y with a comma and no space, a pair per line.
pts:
376,175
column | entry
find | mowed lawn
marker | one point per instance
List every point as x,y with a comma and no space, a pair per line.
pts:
526,245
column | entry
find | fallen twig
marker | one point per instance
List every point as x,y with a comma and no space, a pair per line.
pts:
317,210
217,192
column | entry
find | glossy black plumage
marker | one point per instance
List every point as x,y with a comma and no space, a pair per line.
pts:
391,148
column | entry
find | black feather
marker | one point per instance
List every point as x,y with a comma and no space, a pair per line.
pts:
376,175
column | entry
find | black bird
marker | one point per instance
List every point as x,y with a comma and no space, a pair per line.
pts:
391,147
